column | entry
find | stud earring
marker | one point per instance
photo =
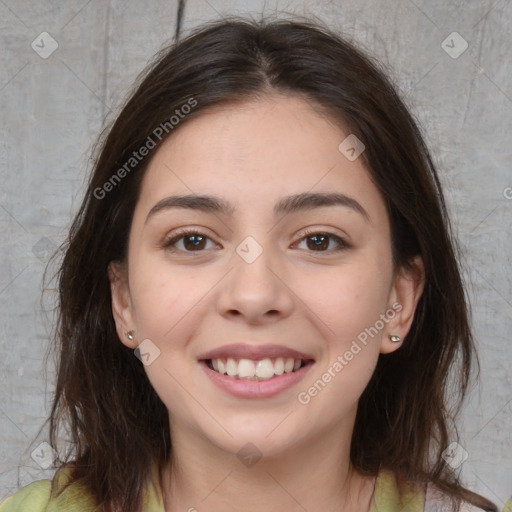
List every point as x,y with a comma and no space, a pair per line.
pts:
395,338
129,335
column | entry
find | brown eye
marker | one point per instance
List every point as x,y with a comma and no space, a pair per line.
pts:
320,242
193,241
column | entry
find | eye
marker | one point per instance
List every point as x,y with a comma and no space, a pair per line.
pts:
320,240
193,241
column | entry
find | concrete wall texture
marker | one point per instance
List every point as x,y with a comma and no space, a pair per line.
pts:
55,95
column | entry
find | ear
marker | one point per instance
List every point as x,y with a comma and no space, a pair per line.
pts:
405,293
121,302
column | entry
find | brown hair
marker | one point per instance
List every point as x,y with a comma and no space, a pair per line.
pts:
118,425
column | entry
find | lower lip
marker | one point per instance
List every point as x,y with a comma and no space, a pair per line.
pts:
254,388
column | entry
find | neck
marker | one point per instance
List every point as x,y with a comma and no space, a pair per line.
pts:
315,476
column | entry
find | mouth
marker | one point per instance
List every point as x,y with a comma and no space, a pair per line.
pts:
253,371
256,369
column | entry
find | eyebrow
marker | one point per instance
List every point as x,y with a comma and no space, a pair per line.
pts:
289,204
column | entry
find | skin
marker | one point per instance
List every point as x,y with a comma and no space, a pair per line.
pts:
317,302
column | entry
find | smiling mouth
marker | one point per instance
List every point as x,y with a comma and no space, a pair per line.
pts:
256,370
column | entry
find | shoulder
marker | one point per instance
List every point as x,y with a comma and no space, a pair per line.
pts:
33,497
50,496
387,497
56,496
417,497
439,501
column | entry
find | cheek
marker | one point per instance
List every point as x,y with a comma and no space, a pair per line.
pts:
167,303
349,299
165,298
351,304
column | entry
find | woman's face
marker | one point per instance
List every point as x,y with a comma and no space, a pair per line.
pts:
278,270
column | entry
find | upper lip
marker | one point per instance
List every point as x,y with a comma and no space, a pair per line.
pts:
254,352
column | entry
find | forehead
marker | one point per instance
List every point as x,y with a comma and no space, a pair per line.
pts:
253,151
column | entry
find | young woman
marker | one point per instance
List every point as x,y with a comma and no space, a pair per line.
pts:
260,301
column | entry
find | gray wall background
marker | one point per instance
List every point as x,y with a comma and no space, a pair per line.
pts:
53,108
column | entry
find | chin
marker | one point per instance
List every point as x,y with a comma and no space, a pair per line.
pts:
260,438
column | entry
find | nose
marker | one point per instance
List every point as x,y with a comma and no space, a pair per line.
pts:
257,292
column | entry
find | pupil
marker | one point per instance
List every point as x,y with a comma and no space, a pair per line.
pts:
319,243
196,240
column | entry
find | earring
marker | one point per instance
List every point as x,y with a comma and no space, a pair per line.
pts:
129,335
395,338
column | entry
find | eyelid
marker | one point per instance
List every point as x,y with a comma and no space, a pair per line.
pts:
341,240
181,233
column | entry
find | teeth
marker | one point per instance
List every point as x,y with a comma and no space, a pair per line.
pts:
288,365
263,369
231,367
246,368
279,366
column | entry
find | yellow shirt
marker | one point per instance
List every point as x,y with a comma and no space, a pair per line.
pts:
39,496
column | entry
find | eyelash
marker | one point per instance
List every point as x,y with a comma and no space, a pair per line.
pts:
183,233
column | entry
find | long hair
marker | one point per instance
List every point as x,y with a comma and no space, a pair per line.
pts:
118,426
